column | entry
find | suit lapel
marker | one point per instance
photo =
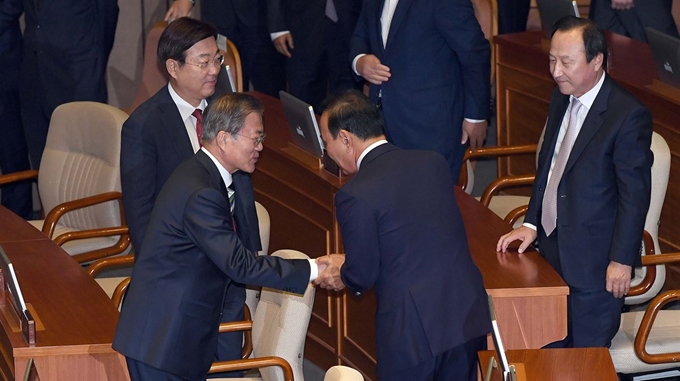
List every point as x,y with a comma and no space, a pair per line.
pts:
591,124
551,132
399,16
175,128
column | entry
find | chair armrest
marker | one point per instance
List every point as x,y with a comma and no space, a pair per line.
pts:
55,214
18,176
103,263
515,214
648,281
262,362
119,292
492,151
120,246
502,183
246,326
646,327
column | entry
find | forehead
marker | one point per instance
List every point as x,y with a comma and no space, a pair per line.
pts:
253,124
205,47
567,44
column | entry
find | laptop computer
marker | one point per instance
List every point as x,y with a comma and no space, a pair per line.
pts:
553,10
304,128
225,81
666,54
506,369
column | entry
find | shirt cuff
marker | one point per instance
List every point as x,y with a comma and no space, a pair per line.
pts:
354,63
314,269
530,226
276,35
475,120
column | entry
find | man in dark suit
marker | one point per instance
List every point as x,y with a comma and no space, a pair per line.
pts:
630,18
66,50
429,66
314,35
592,187
13,152
242,22
403,234
163,132
196,247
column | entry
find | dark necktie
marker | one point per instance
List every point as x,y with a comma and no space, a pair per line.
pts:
198,114
231,193
549,212
331,13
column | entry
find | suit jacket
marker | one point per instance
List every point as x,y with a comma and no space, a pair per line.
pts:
440,66
66,45
403,234
604,192
189,258
632,22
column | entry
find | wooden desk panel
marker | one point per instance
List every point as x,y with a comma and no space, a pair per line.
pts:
529,295
15,229
79,319
572,364
524,86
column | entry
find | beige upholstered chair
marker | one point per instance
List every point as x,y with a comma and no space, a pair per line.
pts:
342,373
79,181
253,293
279,330
660,172
648,342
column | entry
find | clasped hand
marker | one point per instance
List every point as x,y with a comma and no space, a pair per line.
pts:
329,266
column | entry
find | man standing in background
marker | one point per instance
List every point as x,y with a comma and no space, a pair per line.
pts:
66,50
630,17
429,65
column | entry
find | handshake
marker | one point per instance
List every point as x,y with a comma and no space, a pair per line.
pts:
329,272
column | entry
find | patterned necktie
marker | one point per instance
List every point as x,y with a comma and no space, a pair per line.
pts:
549,213
331,13
198,114
232,197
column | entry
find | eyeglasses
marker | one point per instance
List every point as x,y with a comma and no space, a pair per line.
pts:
217,62
258,140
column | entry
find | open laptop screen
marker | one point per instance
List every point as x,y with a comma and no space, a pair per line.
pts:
304,128
666,53
498,342
553,10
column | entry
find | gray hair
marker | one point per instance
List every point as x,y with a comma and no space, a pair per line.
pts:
228,113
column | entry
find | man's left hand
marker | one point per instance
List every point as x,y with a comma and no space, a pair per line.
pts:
476,132
330,277
618,279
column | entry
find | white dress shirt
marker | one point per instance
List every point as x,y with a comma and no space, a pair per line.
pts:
185,110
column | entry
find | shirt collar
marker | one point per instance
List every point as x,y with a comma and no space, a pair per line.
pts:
369,149
185,109
226,176
588,98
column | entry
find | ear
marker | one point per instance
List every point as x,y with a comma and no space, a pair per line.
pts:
598,60
172,67
346,140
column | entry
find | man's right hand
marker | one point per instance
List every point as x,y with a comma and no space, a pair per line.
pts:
372,70
179,8
284,43
523,233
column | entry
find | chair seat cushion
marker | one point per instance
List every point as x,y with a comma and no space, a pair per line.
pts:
664,338
81,245
504,204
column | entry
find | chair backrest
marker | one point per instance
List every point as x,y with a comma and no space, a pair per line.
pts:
233,59
660,172
81,159
265,227
342,373
154,75
280,325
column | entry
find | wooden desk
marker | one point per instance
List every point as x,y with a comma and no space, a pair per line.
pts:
530,297
78,318
523,89
572,364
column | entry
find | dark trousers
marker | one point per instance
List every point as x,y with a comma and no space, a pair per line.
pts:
632,22
13,151
456,364
593,316
513,15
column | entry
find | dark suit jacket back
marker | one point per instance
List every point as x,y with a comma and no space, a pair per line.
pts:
403,234
190,256
604,192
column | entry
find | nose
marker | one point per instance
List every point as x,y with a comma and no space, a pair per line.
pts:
213,68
